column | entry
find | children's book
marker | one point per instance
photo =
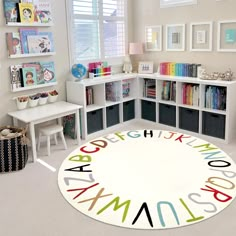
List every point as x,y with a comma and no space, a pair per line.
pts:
38,68
50,36
16,76
24,33
13,43
11,10
26,11
29,76
48,71
43,11
38,44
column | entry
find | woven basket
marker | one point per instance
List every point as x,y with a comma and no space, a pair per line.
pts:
13,150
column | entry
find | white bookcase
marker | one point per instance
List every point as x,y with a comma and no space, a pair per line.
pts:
104,111
172,111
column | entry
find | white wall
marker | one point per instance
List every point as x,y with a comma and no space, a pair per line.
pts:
148,12
141,13
61,60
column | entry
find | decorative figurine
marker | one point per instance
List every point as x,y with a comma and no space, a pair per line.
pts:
127,67
228,75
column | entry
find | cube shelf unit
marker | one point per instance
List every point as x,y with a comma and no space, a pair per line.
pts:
181,104
188,110
107,101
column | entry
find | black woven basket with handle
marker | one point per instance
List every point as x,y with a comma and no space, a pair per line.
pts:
13,150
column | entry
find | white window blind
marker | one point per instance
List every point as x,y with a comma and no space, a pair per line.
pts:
97,29
174,3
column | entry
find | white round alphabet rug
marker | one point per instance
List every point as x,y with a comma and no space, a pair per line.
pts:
148,179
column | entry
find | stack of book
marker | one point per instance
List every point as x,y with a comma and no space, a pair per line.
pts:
190,94
32,73
168,90
27,11
215,97
149,89
179,69
29,40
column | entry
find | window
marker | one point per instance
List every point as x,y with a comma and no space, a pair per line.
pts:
97,29
174,3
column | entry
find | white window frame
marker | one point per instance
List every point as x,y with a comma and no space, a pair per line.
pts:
111,61
175,3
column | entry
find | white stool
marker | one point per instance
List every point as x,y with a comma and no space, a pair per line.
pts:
51,130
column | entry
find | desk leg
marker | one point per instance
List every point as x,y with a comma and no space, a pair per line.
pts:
33,142
15,121
77,126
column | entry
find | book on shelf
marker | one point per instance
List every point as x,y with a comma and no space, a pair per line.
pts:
215,97
190,94
26,12
29,76
49,35
16,76
48,71
149,88
11,10
38,44
13,43
113,91
38,68
43,11
89,96
168,90
24,33
126,88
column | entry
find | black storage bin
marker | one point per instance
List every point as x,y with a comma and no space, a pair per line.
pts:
112,114
13,150
128,110
148,110
94,121
167,114
213,124
189,119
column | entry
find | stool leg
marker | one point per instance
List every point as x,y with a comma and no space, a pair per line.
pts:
63,139
55,138
39,141
48,144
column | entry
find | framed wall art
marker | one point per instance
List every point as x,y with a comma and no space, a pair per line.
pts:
201,36
175,37
145,67
153,38
226,36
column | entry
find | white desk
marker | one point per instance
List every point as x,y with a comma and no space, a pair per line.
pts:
39,114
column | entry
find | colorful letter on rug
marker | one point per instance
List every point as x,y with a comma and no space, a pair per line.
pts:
148,179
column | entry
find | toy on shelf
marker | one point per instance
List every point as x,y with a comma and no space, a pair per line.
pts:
97,69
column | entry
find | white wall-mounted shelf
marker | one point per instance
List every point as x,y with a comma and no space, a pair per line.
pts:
32,55
36,24
34,87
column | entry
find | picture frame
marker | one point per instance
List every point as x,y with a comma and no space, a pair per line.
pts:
153,38
201,36
226,36
145,67
175,37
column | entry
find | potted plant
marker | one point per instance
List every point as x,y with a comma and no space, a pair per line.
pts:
22,102
53,95
43,98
